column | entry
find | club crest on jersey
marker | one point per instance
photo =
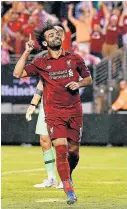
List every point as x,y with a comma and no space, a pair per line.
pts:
48,67
69,63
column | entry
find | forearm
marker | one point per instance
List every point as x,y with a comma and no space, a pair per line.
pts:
121,20
85,82
70,14
35,100
38,94
91,10
18,71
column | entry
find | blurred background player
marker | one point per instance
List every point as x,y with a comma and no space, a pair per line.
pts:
121,102
41,129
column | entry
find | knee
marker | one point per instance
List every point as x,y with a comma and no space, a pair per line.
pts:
74,154
59,142
45,142
73,147
74,151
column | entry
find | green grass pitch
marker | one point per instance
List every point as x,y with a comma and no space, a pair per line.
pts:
100,179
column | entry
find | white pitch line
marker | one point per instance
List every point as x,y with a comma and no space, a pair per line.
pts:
22,171
43,169
51,200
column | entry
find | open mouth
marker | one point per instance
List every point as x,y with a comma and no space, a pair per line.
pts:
58,40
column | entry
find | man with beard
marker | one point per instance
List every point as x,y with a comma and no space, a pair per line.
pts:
60,73
41,129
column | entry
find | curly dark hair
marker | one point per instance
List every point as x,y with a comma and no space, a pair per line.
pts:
39,33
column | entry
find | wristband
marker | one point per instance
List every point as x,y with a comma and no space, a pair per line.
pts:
33,105
39,92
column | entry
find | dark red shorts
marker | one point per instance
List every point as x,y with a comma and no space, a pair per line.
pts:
62,127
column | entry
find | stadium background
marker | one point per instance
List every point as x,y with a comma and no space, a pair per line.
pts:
21,18
102,169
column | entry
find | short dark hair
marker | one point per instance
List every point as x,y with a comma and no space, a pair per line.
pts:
39,33
60,25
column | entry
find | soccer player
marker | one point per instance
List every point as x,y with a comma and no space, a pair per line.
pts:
45,142
41,129
60,73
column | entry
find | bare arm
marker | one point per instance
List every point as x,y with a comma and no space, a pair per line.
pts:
70,14
19,68
91,11
76,85
35,100
85,81
65,25
107,14
122,18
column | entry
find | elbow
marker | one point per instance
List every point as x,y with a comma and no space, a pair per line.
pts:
70,18
16,75
90,81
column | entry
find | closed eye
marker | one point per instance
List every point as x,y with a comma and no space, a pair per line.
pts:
51,35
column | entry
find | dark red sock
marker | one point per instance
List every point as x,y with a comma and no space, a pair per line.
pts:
63,166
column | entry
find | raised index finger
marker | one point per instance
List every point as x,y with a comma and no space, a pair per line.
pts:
30,38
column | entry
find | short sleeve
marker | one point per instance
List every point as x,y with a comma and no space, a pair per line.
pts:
81,67
31,69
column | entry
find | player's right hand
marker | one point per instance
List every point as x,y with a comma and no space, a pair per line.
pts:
29,44
29,112
73,85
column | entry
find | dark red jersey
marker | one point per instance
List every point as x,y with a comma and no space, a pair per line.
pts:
97,40
15,25
124,27
56,73
96,20
66,45
112,33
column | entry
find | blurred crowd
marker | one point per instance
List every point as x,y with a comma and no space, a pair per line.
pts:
92,29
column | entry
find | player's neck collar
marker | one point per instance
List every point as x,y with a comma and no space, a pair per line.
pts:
63,53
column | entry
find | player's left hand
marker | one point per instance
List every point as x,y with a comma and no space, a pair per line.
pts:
29,112
73,85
